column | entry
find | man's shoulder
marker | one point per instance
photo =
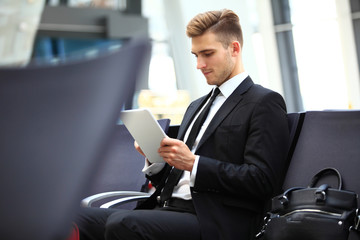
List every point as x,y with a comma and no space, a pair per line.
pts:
259,93
259,89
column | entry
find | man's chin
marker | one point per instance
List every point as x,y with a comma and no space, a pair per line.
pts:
211,81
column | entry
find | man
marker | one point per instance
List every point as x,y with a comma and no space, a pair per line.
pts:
233,164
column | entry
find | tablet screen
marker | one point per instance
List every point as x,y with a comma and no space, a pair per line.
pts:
146,131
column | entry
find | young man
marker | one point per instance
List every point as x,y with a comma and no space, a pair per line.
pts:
232,164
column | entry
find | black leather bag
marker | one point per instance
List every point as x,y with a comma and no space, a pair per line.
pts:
313,213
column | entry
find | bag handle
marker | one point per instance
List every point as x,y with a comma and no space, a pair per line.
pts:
323,172
320,193
283,199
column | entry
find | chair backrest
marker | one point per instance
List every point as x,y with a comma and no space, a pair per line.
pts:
327,139
121,165
173,131
54,124
294,121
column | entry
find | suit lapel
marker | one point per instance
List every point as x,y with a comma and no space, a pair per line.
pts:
233,100
191,112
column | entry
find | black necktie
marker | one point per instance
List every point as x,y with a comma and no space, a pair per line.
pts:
175,173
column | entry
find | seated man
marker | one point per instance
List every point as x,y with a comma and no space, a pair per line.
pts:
228,160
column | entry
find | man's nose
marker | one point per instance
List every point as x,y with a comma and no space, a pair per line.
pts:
200,63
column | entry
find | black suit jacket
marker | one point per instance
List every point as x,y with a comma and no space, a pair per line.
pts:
242,160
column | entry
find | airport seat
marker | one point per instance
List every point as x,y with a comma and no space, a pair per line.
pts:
55,122
322,139
120,173
295,121
173,131
326,139
294,124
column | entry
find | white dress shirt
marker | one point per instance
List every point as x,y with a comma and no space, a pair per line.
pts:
182,189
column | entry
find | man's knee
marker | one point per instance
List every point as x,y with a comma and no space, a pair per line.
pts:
123,226
152,224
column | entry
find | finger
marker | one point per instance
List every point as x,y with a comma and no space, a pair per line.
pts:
170,161
137,147
168,141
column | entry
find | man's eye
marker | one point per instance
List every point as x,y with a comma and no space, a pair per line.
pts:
208,54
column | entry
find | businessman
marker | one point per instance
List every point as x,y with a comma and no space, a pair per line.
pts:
227,161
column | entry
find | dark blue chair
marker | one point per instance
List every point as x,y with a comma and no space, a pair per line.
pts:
55,122
326,139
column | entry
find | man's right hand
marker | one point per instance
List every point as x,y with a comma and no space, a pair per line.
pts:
137,147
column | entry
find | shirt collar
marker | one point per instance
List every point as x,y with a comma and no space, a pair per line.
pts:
228,87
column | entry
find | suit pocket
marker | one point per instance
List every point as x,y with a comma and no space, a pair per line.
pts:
231,138
230,131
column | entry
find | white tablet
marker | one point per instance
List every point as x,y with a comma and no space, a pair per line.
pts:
146,131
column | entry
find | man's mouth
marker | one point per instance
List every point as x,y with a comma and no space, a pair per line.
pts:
206,72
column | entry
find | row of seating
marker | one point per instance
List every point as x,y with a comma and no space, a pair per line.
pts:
319,139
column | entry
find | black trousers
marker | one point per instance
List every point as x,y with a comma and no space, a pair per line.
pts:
156,224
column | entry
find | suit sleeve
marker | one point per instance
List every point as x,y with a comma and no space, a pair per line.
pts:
256,173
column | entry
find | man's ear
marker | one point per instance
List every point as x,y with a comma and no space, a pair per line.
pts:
235,48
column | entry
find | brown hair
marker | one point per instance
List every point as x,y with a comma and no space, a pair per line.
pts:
224,23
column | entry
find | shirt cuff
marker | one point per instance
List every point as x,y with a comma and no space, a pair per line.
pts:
193,171
152,169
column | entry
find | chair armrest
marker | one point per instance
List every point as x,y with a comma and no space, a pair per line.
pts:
88,201
118,202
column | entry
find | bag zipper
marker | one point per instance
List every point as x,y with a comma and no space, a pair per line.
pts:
312,211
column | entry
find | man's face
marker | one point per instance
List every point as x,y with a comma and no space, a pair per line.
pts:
214,61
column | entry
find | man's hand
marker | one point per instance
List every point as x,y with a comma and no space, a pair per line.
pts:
176,153
137,147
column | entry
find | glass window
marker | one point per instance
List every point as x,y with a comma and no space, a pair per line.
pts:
319,54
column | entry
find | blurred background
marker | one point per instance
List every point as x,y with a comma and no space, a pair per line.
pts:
307,50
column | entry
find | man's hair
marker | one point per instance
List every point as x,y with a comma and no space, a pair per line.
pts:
224,24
